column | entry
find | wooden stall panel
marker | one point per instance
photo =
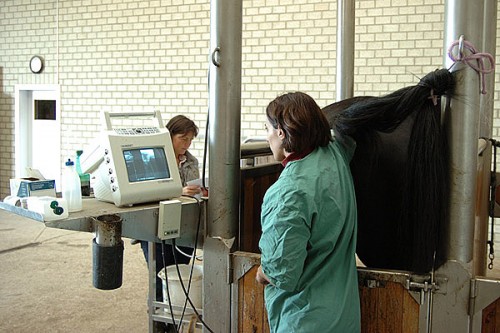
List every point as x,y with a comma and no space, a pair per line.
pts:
388,308
252,311
491,318
410,320
369,319
254,184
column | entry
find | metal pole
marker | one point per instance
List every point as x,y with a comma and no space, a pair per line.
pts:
345,49
225,117
224,159
462,126
450,305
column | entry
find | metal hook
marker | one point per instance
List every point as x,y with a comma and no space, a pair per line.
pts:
460,47
215,59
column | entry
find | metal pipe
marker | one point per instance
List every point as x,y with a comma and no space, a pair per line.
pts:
462,130
225,117
345,49
224,159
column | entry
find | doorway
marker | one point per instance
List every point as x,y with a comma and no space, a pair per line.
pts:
38,131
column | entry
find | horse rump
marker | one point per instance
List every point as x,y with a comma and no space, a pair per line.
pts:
400,172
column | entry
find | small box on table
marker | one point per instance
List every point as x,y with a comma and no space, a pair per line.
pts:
29,187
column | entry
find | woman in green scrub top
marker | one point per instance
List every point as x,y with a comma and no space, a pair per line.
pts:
308,240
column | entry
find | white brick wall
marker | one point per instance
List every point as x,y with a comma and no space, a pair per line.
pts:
145,55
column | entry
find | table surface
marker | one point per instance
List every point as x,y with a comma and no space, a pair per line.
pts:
139,221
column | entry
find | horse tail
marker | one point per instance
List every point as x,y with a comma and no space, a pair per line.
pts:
424,198
426,194
387,112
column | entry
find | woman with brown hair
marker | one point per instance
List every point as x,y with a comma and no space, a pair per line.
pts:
309,218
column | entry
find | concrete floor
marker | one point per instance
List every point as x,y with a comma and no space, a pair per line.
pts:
46,282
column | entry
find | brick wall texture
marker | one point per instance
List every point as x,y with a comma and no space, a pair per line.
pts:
123,55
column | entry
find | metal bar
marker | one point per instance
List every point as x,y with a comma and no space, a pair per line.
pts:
225,117
461,122
224,159
462,126
345,49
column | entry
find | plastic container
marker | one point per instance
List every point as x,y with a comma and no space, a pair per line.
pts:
84,177
71,187
177,296
49,207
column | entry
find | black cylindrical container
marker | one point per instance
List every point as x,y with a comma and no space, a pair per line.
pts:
107,250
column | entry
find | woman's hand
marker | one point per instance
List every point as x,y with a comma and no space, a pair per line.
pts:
191,190
261,278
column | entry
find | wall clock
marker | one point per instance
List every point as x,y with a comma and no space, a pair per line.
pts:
36,64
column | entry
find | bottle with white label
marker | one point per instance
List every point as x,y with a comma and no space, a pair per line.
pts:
71,187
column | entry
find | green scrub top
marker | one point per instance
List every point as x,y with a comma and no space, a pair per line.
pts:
308,244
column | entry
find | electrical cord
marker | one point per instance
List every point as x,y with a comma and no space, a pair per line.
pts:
186,292
207,134
190,256
174,247
205,149
166,285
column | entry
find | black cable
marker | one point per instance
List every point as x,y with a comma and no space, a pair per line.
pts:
205,149
186,293
166,284
207,134
180,279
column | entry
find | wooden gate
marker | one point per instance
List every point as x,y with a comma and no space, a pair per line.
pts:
386,304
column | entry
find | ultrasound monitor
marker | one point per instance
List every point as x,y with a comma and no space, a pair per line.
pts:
133,165
146,164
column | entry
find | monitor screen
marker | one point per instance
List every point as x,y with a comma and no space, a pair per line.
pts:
146,164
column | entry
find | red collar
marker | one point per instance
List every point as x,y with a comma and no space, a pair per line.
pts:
295,156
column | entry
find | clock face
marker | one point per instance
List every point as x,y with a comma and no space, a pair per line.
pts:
36,64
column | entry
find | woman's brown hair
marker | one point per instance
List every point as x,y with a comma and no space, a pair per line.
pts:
301,119
181,125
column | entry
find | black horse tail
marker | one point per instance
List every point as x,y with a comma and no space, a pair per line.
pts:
424,198
386,113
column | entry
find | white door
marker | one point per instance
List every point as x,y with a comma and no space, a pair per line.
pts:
38,134
45,135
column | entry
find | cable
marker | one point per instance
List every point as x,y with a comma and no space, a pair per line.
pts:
191,256
186,293
207,134
174,247
194,250
180,278
166,285
205,149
